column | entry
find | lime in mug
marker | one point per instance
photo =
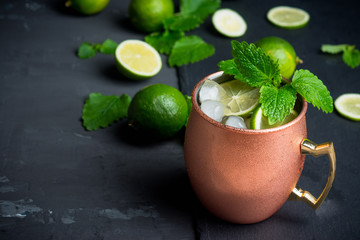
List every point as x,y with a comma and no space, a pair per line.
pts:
244,175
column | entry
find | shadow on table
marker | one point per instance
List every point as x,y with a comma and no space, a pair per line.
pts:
130,136
282,225
59,6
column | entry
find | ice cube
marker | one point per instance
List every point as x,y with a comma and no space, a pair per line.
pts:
214,109
235,121
211,90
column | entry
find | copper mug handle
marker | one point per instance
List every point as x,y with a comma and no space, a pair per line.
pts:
310,148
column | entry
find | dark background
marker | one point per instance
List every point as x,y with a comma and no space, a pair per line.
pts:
59,181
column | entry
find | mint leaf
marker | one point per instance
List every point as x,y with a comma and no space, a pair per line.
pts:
200,8
101,111
277,103
86,50
229,67
190,49
254,65
312,89
172,41
182,22
333,49
108,47
351,57
164,42
192,14
96,46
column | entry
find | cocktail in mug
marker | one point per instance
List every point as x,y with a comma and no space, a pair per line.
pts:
245,175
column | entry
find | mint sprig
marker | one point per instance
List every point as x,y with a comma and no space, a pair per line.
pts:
189,49
89,50
256,68
171,39
350,55
252,66
277,103
100,111
164,41
312,89
192,14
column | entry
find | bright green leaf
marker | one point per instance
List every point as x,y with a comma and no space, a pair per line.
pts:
108,47
182,22
351,57
202,8
254,65
277,103
190,49
101,111
333,49
164,42
229,67
86,50
312,89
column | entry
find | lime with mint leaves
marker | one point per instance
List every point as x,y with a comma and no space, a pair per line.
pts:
158,110
282,51
277,98
87,7
172,39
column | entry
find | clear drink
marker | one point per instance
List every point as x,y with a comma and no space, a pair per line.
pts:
235,104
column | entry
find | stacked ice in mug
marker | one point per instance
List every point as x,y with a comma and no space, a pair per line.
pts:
210,98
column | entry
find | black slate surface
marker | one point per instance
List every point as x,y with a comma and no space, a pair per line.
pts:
58,181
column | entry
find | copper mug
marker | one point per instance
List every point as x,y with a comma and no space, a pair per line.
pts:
245,176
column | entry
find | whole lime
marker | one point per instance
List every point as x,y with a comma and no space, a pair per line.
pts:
282,51
148,15
158,109
87,7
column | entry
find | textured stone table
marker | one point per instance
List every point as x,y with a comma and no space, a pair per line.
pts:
59,181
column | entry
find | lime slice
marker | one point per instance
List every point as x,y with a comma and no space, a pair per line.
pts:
240,99
259,121
137,60
288,17
229,23
348,105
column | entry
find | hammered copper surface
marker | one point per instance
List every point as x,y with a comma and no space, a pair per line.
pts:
241,175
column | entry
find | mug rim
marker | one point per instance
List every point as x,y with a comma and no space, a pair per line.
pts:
240,130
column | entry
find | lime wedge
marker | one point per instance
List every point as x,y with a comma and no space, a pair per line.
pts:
240,99
288,17
259,121
137,60
348,105
229,23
